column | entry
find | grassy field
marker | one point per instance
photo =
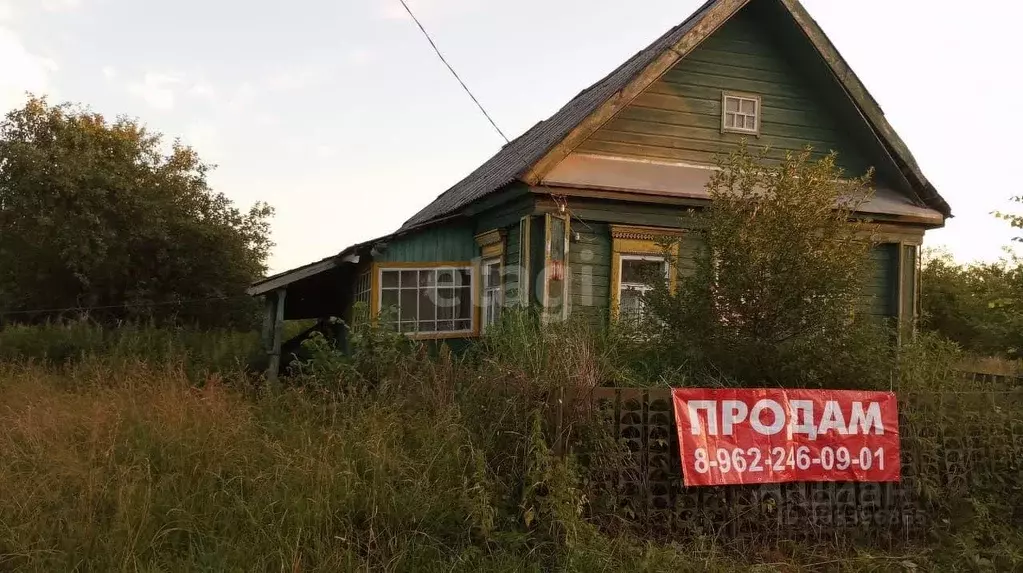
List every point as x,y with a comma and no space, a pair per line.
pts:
396,460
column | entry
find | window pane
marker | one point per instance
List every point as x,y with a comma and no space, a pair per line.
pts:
463,325
631,303
408,279
749,107
446,303
464,277
427,308
427,278
389,279
388,298
464,302
446,277
489,309
408,304
730,120
493,275
731,104
408,327
641,271
428,326
445,326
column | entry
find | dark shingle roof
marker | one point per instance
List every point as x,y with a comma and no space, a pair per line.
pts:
518,156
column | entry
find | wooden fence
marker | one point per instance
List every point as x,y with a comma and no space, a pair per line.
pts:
949,442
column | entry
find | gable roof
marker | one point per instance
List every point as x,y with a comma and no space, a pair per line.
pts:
528,157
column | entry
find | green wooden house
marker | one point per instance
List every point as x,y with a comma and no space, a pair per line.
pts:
564,217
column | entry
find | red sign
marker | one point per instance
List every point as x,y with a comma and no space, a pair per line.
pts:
746,436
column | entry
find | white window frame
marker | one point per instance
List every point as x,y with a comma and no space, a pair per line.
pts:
641,287
429,333
740,98
490,291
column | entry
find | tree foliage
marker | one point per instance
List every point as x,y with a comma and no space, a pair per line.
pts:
979,306
97,214
781,259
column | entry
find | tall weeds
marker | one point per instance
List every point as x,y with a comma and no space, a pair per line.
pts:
397,457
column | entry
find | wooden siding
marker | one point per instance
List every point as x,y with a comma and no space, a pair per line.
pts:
502,215
679,116
448,243
880,290
590,261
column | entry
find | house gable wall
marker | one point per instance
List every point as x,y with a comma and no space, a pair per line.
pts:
678,118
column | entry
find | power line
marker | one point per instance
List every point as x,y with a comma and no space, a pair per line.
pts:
563,203
453,72
128,305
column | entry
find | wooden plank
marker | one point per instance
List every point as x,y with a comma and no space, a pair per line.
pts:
707,99
691,98
667,132
298,274
711,53
443,243
699,117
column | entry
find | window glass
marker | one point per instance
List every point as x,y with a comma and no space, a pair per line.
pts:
641,270
740,113
636,278
427,300
492,295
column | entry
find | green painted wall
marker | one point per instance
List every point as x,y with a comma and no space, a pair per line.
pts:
504,214
880,293
679,116
590,259
447,243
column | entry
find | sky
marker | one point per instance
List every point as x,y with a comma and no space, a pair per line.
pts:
338,114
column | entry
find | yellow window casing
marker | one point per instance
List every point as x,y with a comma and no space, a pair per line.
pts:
649,241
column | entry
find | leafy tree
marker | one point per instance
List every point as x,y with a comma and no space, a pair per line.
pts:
96,214
779,270
1015,220
975,305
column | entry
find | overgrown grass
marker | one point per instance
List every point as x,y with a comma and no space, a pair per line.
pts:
397,458
67,343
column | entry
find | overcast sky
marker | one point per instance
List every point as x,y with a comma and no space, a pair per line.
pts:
338,114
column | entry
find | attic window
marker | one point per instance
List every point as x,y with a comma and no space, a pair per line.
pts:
740,113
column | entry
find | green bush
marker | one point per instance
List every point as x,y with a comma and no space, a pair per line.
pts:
66,343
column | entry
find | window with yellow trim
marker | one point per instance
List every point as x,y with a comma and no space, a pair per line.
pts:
493,298
637,276
427,300
641,256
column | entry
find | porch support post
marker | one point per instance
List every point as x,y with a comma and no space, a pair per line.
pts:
273,331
